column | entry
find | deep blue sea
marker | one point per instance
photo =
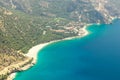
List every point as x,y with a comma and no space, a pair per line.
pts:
94,57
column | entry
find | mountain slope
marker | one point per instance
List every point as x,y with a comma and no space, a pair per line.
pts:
83,10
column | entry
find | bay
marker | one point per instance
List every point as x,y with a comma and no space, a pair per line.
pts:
93,57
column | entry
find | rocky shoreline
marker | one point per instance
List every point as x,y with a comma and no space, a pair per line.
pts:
14,68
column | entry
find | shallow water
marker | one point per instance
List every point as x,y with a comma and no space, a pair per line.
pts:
94,57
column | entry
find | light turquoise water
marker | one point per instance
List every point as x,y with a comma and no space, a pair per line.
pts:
94,57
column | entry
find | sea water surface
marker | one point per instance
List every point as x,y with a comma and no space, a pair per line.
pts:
94,57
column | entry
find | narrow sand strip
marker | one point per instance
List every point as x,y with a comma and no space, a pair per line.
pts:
33,52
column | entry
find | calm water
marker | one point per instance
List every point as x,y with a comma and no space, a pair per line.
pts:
94,57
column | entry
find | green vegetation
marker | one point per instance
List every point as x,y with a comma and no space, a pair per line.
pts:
21,31
68,9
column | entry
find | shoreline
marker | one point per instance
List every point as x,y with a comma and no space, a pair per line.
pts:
33,52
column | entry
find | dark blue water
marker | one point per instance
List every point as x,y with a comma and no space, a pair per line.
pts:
94,57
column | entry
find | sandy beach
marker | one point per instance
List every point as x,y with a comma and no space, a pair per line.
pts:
33,52
11,76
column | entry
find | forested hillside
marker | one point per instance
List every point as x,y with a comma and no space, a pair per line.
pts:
89,11
21,31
